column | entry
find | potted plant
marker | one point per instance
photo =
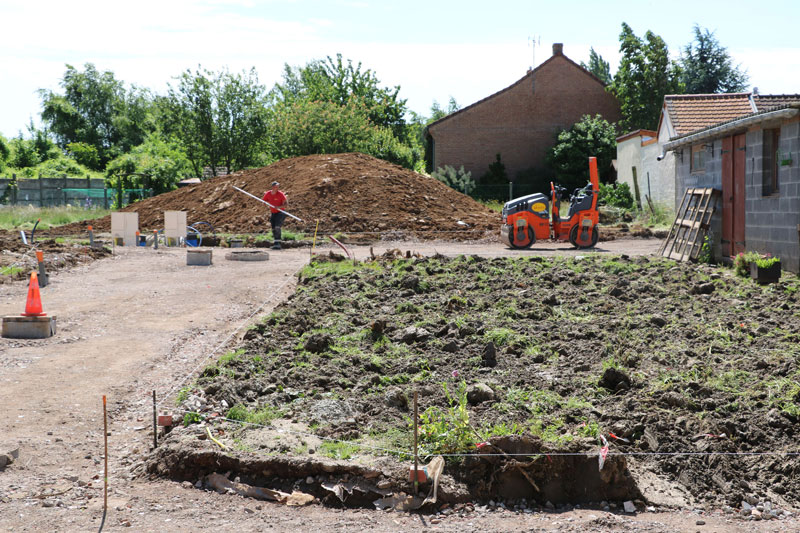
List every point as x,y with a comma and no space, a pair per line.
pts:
742,262
766,269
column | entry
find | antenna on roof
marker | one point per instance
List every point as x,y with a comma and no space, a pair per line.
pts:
534,42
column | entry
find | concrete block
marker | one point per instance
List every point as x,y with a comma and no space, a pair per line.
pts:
244,255
198,257
28,327
174,227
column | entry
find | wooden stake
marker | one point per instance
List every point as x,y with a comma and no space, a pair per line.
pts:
105,439
155,423
416,457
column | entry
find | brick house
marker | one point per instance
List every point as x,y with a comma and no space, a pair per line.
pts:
754,159
521,121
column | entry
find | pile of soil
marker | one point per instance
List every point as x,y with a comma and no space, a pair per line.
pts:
350,193
688,370
21,259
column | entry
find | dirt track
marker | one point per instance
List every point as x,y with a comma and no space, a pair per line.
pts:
142,321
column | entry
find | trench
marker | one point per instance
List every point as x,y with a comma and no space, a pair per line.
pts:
540,477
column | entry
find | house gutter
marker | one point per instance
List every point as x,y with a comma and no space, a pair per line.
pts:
737,124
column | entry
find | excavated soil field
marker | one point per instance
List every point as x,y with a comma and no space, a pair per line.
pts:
691,374
351,193
18,259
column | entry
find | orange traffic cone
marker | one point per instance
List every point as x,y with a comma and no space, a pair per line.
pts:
33,307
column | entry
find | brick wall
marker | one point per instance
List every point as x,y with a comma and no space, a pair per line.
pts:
521,122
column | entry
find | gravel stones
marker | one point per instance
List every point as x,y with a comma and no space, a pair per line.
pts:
330,411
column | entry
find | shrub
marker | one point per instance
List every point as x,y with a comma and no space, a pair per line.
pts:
459,180
618,195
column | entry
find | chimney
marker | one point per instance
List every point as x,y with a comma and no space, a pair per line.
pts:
558,49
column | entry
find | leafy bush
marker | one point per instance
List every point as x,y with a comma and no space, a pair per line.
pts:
569,157
163,161
459,180
618,195
85,154
307,127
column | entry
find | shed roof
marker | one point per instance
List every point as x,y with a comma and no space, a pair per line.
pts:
692,112
765,102
783,111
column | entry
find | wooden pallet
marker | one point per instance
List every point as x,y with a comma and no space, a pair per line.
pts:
685,238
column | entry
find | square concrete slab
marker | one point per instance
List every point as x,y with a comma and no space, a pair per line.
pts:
28,327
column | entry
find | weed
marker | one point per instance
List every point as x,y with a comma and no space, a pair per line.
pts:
231,356
192,418
183,394
11,270
589,429
501,336
447,430
237,412
338,450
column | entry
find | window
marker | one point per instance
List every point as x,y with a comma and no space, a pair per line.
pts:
769,161
698,161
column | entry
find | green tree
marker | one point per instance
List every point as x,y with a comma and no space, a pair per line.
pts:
84,154
337,81
5,152
438,113
219,117
164,162
569,158
97,110
598,66
23,153
644,76
323,127
707,67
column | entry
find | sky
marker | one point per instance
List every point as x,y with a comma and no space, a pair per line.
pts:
434,50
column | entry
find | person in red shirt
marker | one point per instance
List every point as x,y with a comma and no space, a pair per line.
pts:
276,198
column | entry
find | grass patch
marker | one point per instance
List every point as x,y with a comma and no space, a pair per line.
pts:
261,416
338,450
24,217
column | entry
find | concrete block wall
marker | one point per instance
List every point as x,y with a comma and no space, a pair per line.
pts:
40,192
521,122
772,221
710,177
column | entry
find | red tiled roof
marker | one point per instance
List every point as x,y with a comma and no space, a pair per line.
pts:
637,133
692,112
765,102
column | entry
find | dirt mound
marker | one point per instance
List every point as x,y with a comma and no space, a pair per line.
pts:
349,193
